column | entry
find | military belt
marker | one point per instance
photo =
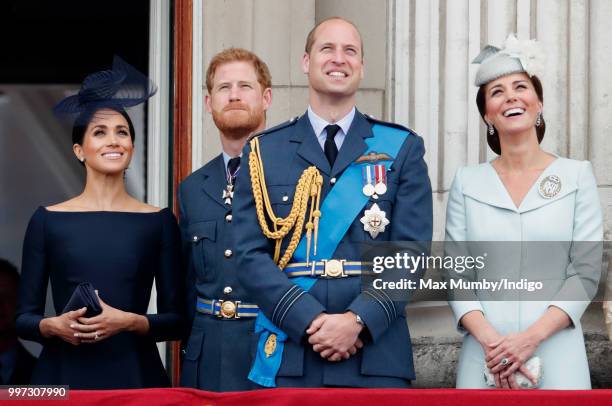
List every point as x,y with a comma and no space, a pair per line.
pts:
328,269
226,309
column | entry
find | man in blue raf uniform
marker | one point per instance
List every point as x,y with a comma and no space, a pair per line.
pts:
217,356
344,178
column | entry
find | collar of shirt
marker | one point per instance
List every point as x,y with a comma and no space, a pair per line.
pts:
226,158
319,124
7,364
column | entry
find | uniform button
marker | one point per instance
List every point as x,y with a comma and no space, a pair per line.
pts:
228,218
285,198
227,290
332,181
228,253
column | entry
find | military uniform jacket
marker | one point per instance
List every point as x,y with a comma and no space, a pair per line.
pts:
286,151
217,355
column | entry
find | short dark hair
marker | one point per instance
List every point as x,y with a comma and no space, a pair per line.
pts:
82,122
493,139
310,39
10,270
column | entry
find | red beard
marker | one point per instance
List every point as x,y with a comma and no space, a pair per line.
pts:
237,120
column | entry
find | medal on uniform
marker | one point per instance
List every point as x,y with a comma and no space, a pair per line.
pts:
374,221
368,180
270,345
550,186
381,179
374,180
228,192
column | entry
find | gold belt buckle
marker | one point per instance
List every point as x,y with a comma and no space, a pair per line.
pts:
228,309
333,268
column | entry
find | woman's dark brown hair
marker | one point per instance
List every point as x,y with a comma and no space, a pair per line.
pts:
493,140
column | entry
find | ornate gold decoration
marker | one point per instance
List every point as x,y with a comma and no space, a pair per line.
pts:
228,309
307,189
270,345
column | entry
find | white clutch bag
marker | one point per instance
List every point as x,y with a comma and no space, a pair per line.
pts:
534,366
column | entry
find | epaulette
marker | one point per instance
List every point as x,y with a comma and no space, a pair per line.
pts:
388,124
270,130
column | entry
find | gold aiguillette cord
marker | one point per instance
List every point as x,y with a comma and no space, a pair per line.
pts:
307,188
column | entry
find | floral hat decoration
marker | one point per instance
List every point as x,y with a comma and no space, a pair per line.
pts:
515,56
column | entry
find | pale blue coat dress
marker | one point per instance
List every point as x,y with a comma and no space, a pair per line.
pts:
481,209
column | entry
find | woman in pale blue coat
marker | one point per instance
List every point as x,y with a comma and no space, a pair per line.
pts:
525,194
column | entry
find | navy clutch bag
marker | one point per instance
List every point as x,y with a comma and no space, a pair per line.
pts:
84,295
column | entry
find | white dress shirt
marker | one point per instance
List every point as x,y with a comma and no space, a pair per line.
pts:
319,124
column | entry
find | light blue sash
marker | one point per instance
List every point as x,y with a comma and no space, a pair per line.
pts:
340,208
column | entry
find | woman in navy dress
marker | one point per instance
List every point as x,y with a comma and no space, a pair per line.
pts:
108,238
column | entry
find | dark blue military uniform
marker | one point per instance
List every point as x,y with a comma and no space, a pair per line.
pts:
217,355
286,151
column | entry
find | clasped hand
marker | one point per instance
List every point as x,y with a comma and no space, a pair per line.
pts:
108,323
75,329
335,336
516,348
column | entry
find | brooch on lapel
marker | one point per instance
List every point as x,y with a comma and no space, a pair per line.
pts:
374,221
550,186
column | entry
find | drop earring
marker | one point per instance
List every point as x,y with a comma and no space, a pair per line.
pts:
538,119
490,128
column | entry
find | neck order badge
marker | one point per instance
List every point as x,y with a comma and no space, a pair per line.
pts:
233,166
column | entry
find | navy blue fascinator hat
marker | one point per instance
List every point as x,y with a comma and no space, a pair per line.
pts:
121,87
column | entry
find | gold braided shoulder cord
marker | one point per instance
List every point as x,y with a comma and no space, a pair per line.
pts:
307,188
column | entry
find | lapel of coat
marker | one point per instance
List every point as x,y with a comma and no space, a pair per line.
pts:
569,183
214,181
486,186
310,149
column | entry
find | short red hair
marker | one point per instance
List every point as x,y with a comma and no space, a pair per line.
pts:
239,55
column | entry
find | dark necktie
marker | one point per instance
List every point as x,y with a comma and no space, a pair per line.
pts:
330,148
232,168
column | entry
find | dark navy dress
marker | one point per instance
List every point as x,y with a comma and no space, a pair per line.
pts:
119,253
